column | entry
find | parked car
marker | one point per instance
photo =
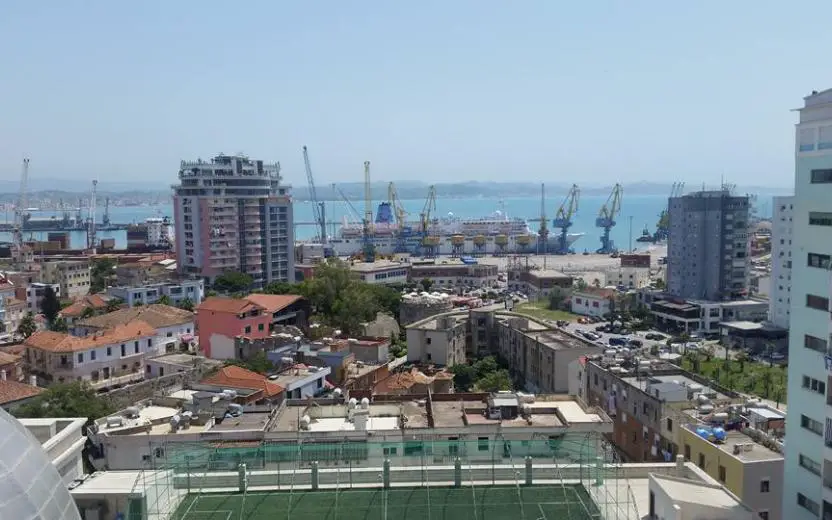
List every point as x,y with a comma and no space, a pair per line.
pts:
618,341
636,343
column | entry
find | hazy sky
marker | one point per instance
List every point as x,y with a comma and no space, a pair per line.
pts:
433,90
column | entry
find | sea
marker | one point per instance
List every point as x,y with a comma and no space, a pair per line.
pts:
638,213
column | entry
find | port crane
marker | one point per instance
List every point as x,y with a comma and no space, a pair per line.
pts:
606,219
427,218
105,220
91,229
543,231
318,208
400,215
20,214
563,218
369,247
663,227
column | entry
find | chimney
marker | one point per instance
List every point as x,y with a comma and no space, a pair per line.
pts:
2,375
33,380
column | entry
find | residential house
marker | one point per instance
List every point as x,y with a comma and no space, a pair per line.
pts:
172,324
285,309
261,389
14,393
105,359
73,277
86,306
11,367
302,381
593,301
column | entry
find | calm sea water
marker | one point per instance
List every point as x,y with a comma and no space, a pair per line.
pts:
640,211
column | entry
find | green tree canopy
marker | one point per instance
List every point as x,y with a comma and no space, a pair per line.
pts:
114,304
257,363
186,304
464,377
233,282
27,326
88,312
163,300
75,399
59,325
102,272
50,305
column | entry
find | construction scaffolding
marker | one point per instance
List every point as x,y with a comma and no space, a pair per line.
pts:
568,477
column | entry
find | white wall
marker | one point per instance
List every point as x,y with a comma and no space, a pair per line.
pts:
585,304
781,255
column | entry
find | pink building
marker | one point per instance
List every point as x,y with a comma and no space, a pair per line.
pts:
220,320
233,214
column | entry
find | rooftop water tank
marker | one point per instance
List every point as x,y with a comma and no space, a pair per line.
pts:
305,421
721,416
719,433
695,387
287,360
703,433
131,411
352,340
352,403
114,422
337,392
365,403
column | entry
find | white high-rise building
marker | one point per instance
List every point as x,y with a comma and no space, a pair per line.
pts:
781,261
807,493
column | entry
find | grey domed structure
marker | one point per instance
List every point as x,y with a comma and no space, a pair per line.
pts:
30,486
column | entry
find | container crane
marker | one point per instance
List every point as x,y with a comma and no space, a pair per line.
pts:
606,219
105,220
401,218
563,218
663,226
91,238
20,213
369,247
318,208
543,231
430,242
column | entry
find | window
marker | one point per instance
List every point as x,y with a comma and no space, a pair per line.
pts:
811,425
149,342
763,515
669,424
109,351
687,451
810,383
170,334
809,464
260,327
702,460
813,343
427,341
136,347
248,329
808,504
123,350
482,443
390,450
765,485
820,218
92,355
818,260
821,177
80,357
817,302
722,474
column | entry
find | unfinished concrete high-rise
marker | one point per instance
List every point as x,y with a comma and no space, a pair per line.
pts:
707,248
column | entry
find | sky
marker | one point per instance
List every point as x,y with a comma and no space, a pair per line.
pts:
439,91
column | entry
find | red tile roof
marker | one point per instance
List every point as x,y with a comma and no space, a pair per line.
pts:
273,302
7,358
227,305
237,377
94,301
60,342
11,391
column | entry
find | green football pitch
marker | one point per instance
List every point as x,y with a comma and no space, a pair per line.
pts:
569,502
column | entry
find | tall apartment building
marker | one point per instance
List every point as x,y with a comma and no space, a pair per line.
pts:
707,248
72,276
781,261
233,214
808,471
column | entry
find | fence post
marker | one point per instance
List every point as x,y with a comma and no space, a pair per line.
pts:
315,474
242,477
457,472
386,474
528,471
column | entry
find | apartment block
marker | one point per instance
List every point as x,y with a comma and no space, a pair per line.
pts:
707,248
176,292
233,213
73,277
35,292
172,326
807,490
780,293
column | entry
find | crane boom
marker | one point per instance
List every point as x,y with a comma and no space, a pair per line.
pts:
400,216
319,213
20,210
606,218
426,219
369,247
563,218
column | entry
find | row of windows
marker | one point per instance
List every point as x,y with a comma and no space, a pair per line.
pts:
817,302
820,218
110,350
810,383
819,260
813,343
821,176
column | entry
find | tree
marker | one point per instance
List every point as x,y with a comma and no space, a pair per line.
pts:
27,326
556,298
75,399
88,312
114,304
464,377
495,381
580,284
102,271
50,306
163,300
427,283
740,358
286,288
59,325
186,304
233,282
486,366
257,363
596,283
658,283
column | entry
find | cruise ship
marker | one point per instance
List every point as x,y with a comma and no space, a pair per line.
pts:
448,235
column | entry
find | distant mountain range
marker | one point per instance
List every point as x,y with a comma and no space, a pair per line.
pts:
54,189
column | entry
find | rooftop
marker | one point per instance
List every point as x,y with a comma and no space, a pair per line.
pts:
298,372
237,377
227,305
11,391
156,315
93,301
669,383
61,342
739,446
273,302
378,265
683,490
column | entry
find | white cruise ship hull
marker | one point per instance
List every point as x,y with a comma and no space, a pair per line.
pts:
389,245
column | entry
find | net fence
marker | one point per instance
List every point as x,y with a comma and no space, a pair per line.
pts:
569,477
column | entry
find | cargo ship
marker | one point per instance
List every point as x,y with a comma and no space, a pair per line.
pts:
447,235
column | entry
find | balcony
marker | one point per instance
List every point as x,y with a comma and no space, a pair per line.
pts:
120,378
